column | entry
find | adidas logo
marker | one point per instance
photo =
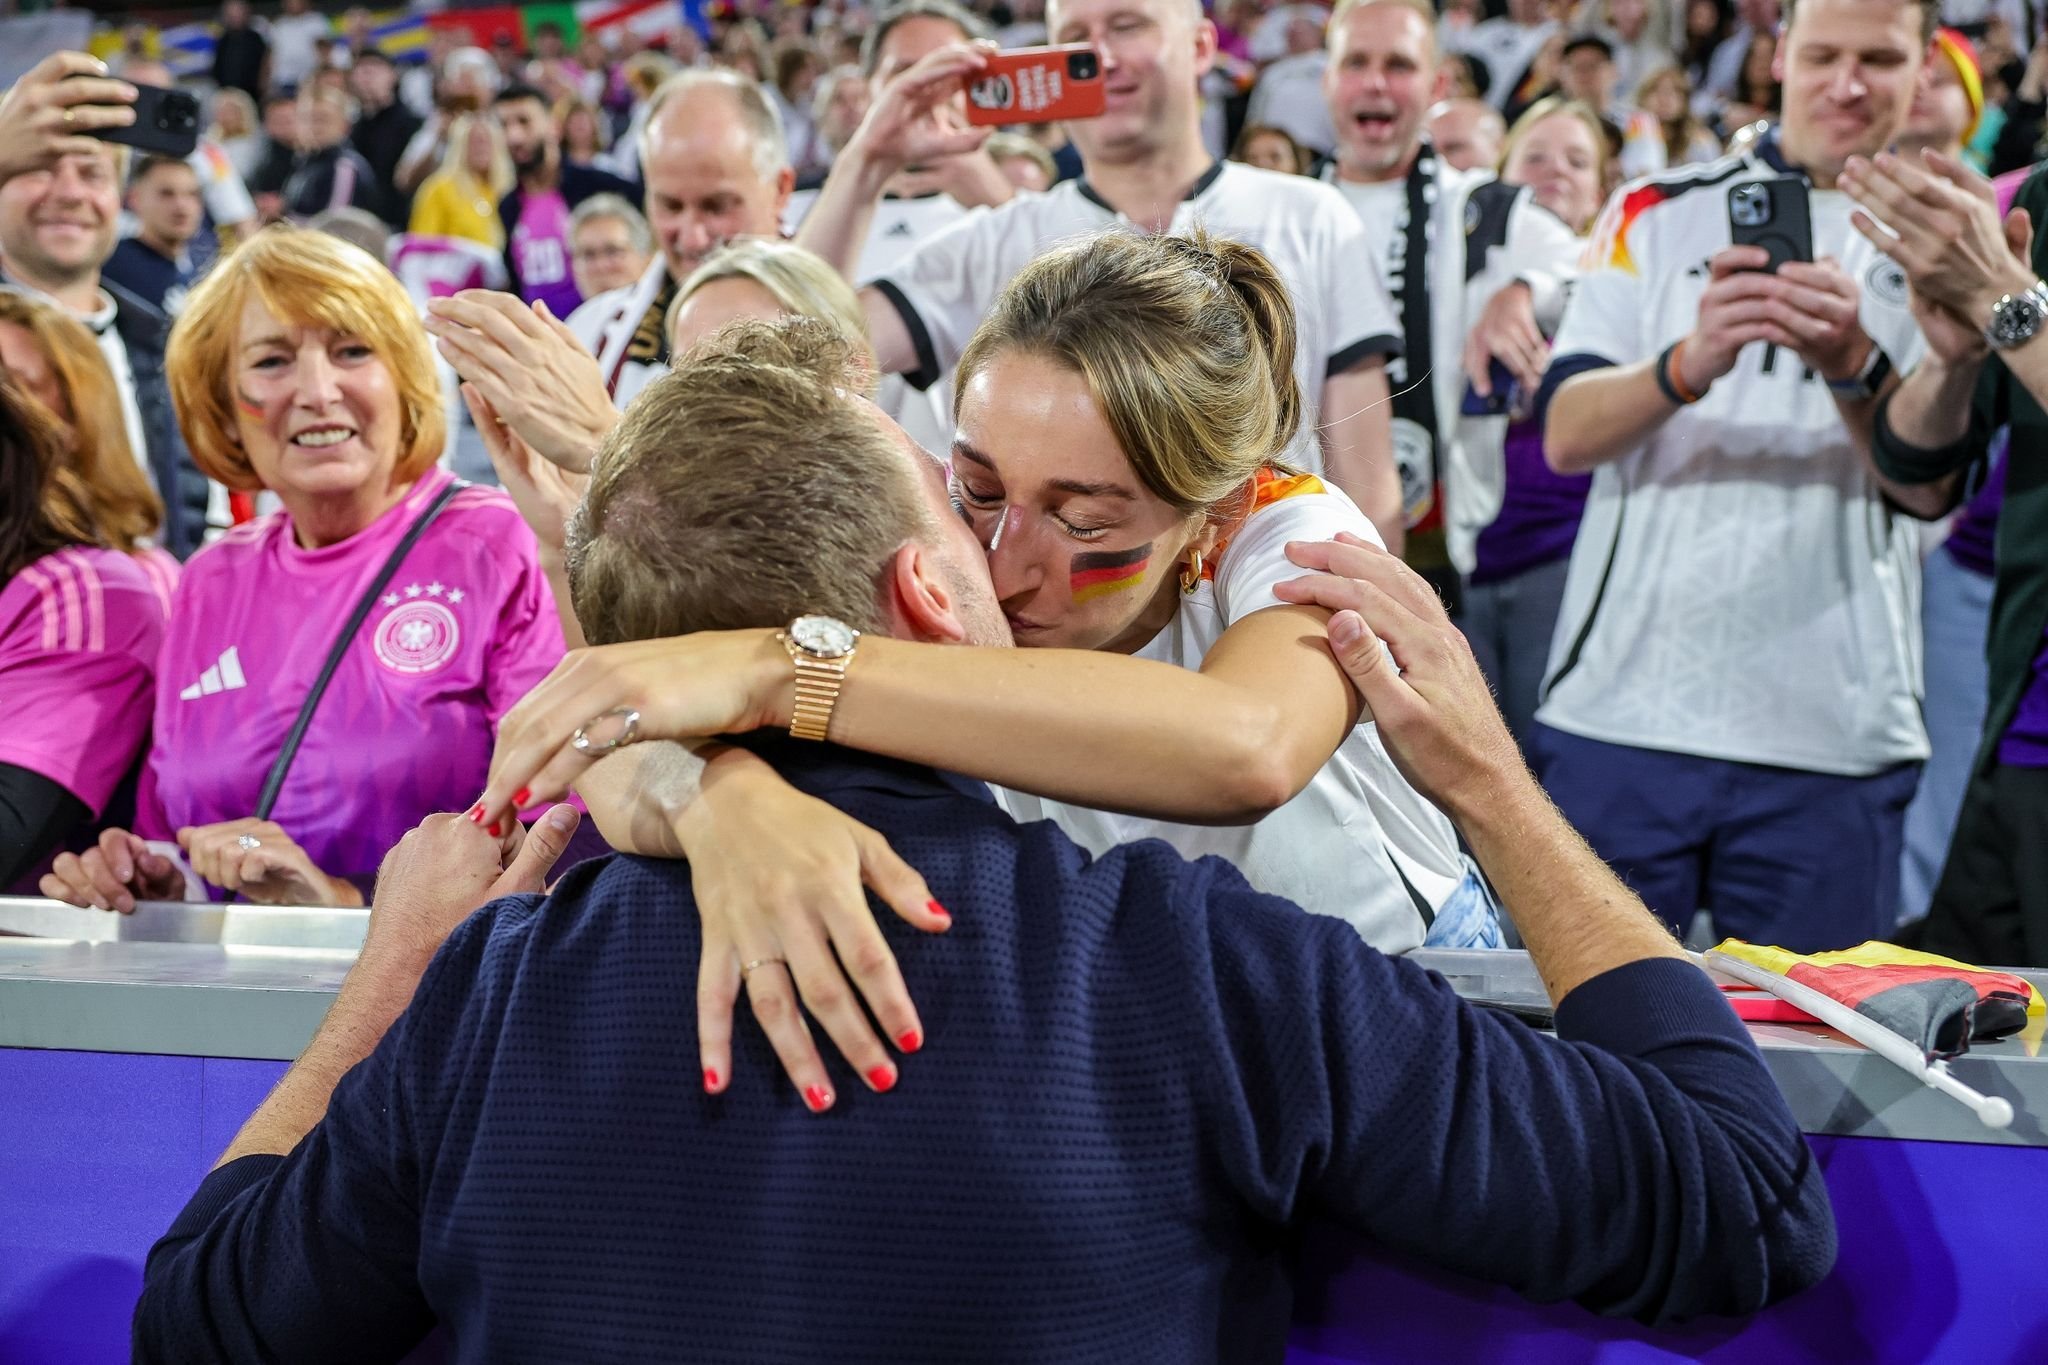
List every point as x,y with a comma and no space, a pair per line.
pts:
224,676
900,229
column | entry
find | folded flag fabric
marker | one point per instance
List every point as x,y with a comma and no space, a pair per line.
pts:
1937,1003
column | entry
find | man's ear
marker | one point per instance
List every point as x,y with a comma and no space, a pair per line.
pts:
1207,43
922,604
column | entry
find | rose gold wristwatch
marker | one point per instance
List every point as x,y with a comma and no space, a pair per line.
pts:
821,647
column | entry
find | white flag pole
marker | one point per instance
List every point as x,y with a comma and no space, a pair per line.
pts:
1993,1111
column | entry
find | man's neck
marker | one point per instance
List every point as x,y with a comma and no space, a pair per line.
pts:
1148,189
79,295
163,246
1351,174
1819,176
543,177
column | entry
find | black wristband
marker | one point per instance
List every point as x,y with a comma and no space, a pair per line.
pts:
1663,372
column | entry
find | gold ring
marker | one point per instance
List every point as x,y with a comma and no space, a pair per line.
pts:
70,116
758,962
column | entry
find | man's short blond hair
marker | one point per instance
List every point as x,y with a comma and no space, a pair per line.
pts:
745,487
306,279
1346,8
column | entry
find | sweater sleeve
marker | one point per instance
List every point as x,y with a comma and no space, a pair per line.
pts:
314,1256
1642,1162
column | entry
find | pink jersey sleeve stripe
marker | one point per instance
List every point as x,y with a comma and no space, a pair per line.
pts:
88,574
72,601
162,572
46,600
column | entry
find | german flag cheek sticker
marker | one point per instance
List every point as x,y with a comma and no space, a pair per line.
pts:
1098,573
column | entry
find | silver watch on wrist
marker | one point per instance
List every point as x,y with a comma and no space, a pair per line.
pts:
2017,317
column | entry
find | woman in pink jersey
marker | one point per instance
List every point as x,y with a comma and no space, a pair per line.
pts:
81,602
299,366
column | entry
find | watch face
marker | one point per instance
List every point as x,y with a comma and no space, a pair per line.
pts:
823,637
2018,318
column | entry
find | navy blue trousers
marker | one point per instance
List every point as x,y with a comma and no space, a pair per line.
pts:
1807,861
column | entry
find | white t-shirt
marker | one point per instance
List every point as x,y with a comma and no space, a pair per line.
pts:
1739,589
899,226
1343,314
1508,49
1379,205
292,45
1289,96
1343,846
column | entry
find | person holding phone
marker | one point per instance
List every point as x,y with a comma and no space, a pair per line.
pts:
60,208
1731,711
1145,169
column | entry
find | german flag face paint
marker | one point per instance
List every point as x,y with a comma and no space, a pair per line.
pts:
248,407
1098,573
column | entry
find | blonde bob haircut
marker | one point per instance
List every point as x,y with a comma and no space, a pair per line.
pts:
1186,343
306,279
799,280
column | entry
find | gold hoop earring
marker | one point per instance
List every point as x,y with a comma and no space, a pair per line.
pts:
1191,572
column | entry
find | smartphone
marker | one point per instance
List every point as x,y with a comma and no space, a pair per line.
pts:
166,122
1037,85
1774,214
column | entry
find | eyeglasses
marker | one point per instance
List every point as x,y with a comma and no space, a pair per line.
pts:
601,253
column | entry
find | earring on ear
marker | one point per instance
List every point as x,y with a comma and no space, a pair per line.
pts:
1191,572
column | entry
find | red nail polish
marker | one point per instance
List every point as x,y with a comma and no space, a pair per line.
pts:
882,1078
476,813
909,1040
522,796
939,910
710,1080
818,1097
493,830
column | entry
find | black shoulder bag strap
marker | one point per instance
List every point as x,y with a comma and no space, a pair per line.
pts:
275,781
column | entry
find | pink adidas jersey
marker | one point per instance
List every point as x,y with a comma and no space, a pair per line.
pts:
80,632
464,630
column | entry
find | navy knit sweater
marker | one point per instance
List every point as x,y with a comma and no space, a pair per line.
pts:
1140,1075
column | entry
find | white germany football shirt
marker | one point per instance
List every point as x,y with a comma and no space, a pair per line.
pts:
1358,843
899,225
1740,589
1343,316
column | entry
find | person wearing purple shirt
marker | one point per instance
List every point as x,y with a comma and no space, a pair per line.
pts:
299,366
536,213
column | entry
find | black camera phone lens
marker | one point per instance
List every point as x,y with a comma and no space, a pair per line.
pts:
1081,66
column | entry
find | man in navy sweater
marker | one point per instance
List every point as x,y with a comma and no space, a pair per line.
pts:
1139,1074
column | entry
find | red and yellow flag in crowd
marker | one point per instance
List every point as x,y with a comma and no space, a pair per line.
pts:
1937,1003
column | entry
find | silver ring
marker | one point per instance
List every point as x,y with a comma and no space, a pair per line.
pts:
249,841
628,732
747,968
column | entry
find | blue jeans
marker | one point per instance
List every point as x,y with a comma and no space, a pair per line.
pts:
1955,615
1469,918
